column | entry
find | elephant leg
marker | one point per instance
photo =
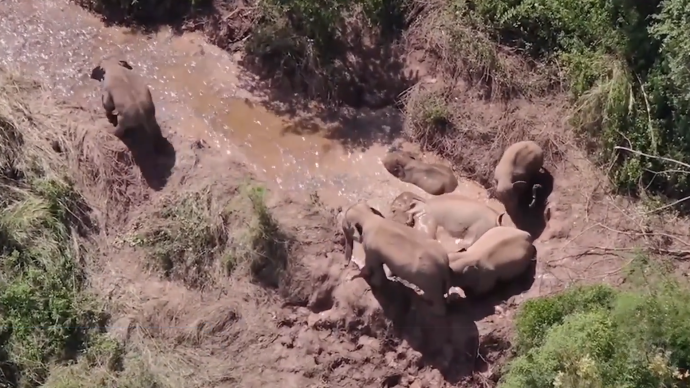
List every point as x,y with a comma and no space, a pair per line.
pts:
438,302
432,228
378,277
119,130
485,285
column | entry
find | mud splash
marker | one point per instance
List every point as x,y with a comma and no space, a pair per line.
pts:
199,91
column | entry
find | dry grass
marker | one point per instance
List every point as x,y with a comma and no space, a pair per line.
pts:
442,120
204,232
53,179
460,48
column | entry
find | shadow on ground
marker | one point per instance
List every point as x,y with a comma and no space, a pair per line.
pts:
340,99
155,158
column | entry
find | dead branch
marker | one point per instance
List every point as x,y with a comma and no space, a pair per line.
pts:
653,156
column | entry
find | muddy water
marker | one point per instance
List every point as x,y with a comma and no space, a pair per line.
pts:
198,91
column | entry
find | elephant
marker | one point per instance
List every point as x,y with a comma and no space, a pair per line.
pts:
126,98
400,205
501,254
433,178
461,217
406,251
518,166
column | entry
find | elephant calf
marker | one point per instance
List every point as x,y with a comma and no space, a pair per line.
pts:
501,254
126,98
460,217
435,179
407,253
400,205
520,163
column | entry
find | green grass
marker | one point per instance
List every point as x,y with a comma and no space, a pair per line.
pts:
46,315
596,336
201,234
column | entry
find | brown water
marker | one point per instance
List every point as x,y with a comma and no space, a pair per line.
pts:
197,89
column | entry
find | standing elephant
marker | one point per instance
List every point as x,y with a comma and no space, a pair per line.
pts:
126,99
519,165
433,178
407,253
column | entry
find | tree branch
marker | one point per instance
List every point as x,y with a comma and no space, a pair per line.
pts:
655,157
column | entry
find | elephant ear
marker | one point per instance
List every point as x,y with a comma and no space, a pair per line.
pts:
98,73
125,64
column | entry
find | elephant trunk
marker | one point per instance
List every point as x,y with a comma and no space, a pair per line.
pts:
349,240
535,188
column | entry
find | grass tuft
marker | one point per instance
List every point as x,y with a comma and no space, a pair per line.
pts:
198,235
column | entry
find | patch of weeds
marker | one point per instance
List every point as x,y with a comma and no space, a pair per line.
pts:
107,364
430,118
46,316
598,337
200,234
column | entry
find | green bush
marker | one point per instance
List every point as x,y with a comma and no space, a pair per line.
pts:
598,337
626,64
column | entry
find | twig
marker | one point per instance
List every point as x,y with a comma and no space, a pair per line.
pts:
653,156
667,206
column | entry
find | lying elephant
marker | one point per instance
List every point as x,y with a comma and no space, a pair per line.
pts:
501,254
461,217
520,163
433,178
400,205
406,251
126,98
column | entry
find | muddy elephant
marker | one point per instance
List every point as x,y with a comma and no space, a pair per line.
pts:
461,217
126,99
400,205
433,178
407,253
519,165
501,254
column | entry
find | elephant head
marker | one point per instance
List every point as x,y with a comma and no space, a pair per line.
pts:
353,219
98,72
395,162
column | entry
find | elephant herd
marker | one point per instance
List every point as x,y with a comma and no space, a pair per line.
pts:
493,249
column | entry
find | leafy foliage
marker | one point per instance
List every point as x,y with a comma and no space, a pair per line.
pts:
599,337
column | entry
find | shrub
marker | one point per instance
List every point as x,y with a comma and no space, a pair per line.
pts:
598,337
